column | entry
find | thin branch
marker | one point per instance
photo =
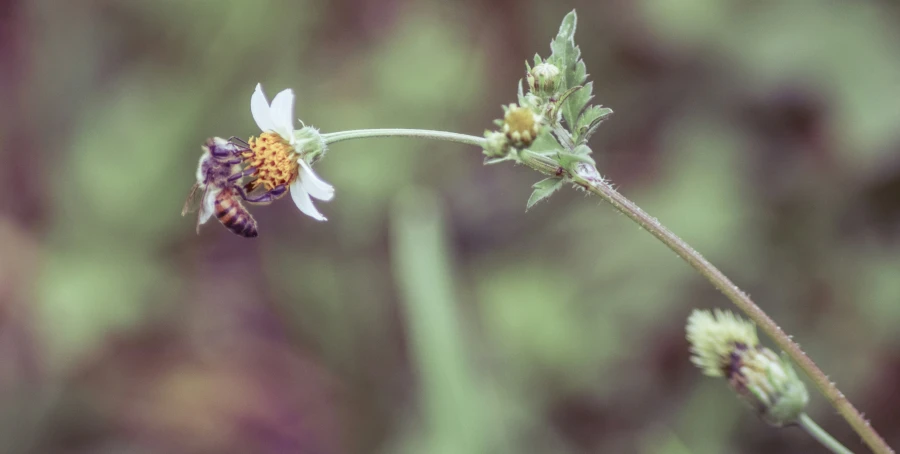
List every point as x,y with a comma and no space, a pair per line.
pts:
416,133
821,435
588,178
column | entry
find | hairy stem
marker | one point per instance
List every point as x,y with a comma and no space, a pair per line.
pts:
821,435
587,177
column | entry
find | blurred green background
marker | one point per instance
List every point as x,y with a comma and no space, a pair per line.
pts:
431,314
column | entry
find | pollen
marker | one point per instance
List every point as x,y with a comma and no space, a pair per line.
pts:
274,159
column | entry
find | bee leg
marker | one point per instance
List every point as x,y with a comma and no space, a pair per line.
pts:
245,173
231,162
239,142
266,197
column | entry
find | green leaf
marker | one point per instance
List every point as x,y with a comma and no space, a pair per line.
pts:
545,141
543,189
561,101
568,160
567,56
589,121
578,102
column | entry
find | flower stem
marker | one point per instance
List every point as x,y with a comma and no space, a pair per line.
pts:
587,176
416,133
821,435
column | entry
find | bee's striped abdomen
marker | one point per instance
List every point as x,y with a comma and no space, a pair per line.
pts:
234,216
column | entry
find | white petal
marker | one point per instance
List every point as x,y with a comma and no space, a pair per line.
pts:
282,112
314,185
259,107
304,203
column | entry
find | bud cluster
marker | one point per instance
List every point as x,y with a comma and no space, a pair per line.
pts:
523,122
725,345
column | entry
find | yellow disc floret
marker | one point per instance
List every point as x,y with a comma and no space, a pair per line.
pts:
274,159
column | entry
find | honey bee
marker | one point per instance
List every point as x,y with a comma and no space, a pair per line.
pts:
219,177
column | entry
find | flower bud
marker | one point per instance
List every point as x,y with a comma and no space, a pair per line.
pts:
521,125
497,144
544,79
724,345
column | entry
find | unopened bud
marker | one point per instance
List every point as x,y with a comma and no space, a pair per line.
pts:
521,125
544,79
724,345
497,144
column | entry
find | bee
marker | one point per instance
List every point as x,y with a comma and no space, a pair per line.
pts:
219,176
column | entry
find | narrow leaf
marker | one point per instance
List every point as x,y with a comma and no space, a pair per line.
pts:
575,104
589,121
561,101
568,160
543,189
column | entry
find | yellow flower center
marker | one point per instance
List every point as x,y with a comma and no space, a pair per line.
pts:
274,159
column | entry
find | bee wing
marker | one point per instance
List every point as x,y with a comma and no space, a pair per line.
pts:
207,206
190,204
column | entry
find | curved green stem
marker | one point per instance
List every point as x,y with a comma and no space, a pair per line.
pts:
587,177
415,133
821,435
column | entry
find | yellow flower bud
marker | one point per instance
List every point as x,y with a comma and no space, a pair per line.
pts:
521,125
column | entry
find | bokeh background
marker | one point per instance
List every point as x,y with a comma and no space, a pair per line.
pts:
431,313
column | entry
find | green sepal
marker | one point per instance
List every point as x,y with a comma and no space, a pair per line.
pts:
543,189
491,161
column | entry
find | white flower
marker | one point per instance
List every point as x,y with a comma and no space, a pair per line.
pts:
278,118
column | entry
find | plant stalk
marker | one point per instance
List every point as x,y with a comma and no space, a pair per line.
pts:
415,133
587,177
821,435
